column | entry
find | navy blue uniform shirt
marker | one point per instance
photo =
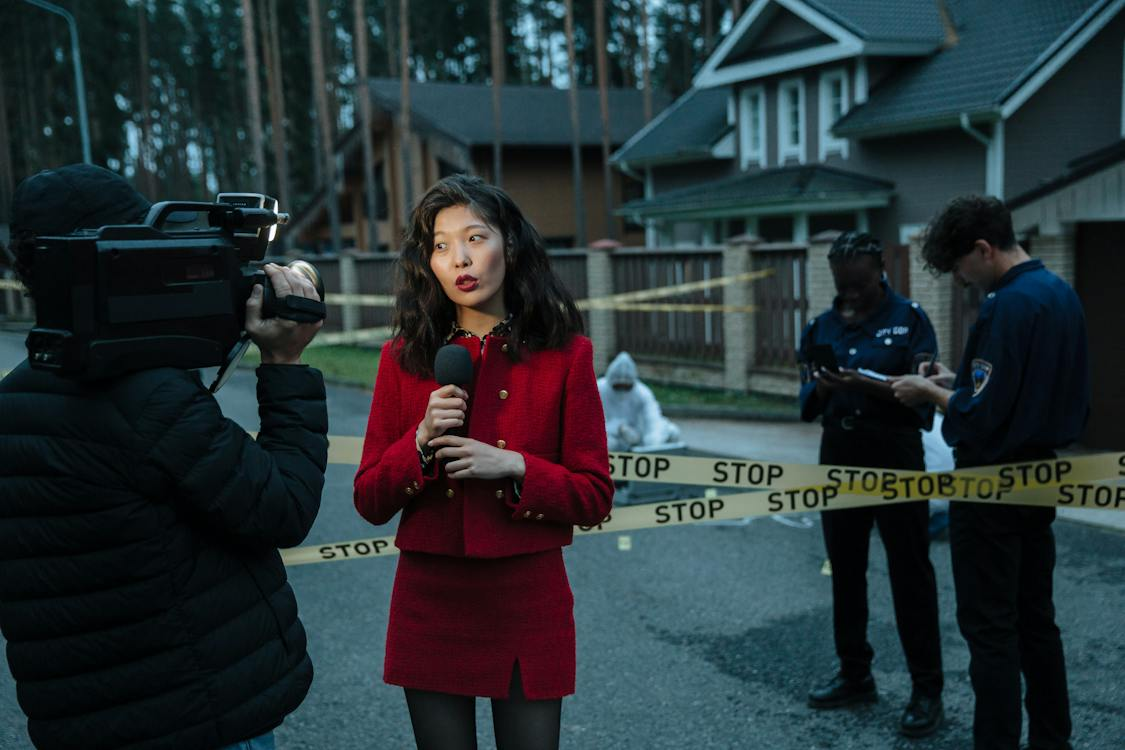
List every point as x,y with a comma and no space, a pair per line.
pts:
888,341
1024,380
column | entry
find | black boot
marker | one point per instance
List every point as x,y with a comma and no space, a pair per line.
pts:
922,717
840,691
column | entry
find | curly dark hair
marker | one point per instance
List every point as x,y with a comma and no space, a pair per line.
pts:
851,245
544,313
966,219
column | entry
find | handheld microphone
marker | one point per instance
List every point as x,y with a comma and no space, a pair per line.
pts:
454,366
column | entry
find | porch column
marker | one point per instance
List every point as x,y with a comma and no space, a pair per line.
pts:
936,298
603,323
349,284
739,340
820,288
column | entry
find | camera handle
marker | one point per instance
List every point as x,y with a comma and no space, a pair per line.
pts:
299,309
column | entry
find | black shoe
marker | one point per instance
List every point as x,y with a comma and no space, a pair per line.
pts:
922,716
840,691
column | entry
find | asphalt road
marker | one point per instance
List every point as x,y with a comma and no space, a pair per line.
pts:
695,637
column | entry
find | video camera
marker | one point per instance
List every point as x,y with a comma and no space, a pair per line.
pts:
170,292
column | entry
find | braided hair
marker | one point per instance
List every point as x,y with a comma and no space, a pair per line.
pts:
851,245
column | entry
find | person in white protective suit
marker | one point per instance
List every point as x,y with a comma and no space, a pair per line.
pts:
632,415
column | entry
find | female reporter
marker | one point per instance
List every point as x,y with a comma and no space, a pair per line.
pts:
481,604
870,327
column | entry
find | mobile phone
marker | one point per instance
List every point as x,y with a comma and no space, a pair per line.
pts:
823,356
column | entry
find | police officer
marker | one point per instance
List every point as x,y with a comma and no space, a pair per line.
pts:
1021,391
869,326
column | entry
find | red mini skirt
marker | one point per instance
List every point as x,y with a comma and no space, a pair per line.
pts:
458,625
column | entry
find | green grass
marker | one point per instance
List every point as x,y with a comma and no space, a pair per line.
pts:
763,403
354,365
350,365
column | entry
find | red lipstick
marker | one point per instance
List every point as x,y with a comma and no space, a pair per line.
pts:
466,282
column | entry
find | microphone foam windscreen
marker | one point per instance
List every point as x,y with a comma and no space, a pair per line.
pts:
453,365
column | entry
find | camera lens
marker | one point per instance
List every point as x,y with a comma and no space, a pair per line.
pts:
308,270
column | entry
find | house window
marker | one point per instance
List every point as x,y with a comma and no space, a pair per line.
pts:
753,127
776,228
833,106
791,121
841,222
381,199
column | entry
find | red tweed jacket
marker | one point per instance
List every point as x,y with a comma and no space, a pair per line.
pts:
546,407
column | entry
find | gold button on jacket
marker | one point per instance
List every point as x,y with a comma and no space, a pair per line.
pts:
503,395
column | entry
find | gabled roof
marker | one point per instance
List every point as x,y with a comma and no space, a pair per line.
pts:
1076,169
885,20
775,36
771,191
686,131
1000,46
532,115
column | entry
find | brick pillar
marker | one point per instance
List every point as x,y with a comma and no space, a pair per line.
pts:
1057,252
739,340
935,295
349,284
603,323
818,283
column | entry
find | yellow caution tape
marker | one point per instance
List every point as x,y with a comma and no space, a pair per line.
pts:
623,301
677,307
984,483
363,300
1094,481
610,302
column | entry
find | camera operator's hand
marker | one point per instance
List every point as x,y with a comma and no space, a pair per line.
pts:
281,341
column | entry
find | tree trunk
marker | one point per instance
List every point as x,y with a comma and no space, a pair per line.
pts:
646,63
404,104
389,35
275,82
575,132
496,39
27,103
145,156
253,96
603,103
320,95
708,26
7,179
363,101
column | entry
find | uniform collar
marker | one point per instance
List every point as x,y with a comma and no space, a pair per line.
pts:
1028,265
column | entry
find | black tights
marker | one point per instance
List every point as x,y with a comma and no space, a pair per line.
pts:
448,722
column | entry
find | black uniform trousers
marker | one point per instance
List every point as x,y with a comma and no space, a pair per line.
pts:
903,527
1003,566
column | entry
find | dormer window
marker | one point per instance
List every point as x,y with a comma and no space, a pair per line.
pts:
791,121
752,128
833,106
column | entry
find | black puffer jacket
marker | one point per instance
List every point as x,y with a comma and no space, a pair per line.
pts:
141,592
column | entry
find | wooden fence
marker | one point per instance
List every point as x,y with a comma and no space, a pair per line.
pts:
670,336
685,346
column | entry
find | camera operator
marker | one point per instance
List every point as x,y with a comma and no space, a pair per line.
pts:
141,592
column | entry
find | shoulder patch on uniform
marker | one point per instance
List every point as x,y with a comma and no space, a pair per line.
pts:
982,371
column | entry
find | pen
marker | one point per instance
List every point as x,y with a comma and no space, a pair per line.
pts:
930,364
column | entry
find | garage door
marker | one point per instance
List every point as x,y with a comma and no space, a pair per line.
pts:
1099,276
